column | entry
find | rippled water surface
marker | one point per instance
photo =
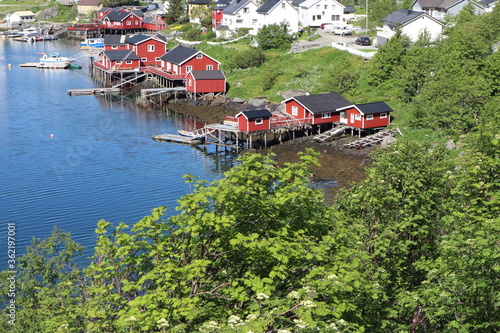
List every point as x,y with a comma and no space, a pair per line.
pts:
69,161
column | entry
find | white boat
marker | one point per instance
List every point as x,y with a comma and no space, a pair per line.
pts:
55,59
89,43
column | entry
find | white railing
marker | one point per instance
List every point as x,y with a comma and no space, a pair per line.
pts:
366,55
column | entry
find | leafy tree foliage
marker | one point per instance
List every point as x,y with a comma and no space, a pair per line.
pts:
252,57
388,58
120,3
274,36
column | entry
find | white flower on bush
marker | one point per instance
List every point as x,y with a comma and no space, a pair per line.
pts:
300,324
262,296
235,321
293,294
307,304
162,323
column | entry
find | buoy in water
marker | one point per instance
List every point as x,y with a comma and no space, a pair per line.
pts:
52,135
9,65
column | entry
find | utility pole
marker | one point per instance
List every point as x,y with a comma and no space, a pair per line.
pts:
367,17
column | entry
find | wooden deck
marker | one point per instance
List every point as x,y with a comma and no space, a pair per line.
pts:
373,139
93,91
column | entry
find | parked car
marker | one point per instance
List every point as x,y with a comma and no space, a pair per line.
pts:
152,6
342,30
363,40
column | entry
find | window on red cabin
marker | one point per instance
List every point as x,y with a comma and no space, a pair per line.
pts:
383,115
259,121
129,23
199,56
210,67
128,62
326,115
189,69
369,117
151,48
357,117
295,110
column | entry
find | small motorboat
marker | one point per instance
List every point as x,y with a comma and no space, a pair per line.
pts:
55,59
90,43
192,135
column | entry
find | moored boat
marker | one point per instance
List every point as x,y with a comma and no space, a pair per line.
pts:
55,59
89,43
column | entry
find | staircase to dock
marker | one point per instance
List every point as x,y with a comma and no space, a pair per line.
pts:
372,140
326,136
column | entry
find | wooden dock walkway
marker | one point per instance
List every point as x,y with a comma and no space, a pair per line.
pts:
372,140
93,91
177,139
330,133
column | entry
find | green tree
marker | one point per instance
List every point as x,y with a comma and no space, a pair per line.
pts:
274,36
398,208
388,58
47,280
176,11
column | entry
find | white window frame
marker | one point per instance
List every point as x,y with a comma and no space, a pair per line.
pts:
295,110
357,117
144,59
199,56
128,62
151,48
326,115
369,117
383,115
259,121
189,69
210,67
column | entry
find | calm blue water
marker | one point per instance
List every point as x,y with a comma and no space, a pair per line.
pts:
101,162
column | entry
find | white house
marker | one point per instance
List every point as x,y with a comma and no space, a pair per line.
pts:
440,8
313,13
411,23
240,14
21,16
276,12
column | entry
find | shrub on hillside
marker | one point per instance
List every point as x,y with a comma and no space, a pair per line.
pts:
252,57
274,36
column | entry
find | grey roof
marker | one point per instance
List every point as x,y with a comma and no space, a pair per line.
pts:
297,3
267,6
208,75
349,9
179,54
323,102
117,55
199,2
118,15
253,114
487,2
234,6
401,17
437,3
223,2
114,39
136,39
370,108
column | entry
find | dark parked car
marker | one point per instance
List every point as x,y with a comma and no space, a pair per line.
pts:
362,41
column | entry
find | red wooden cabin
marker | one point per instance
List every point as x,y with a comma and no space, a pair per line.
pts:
199,82
103,12
121,19
120,60
368,115
182,60
148,48
154,24
316,109
254,120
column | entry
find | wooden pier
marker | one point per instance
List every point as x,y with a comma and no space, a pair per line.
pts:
373,139
177,139
93,91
